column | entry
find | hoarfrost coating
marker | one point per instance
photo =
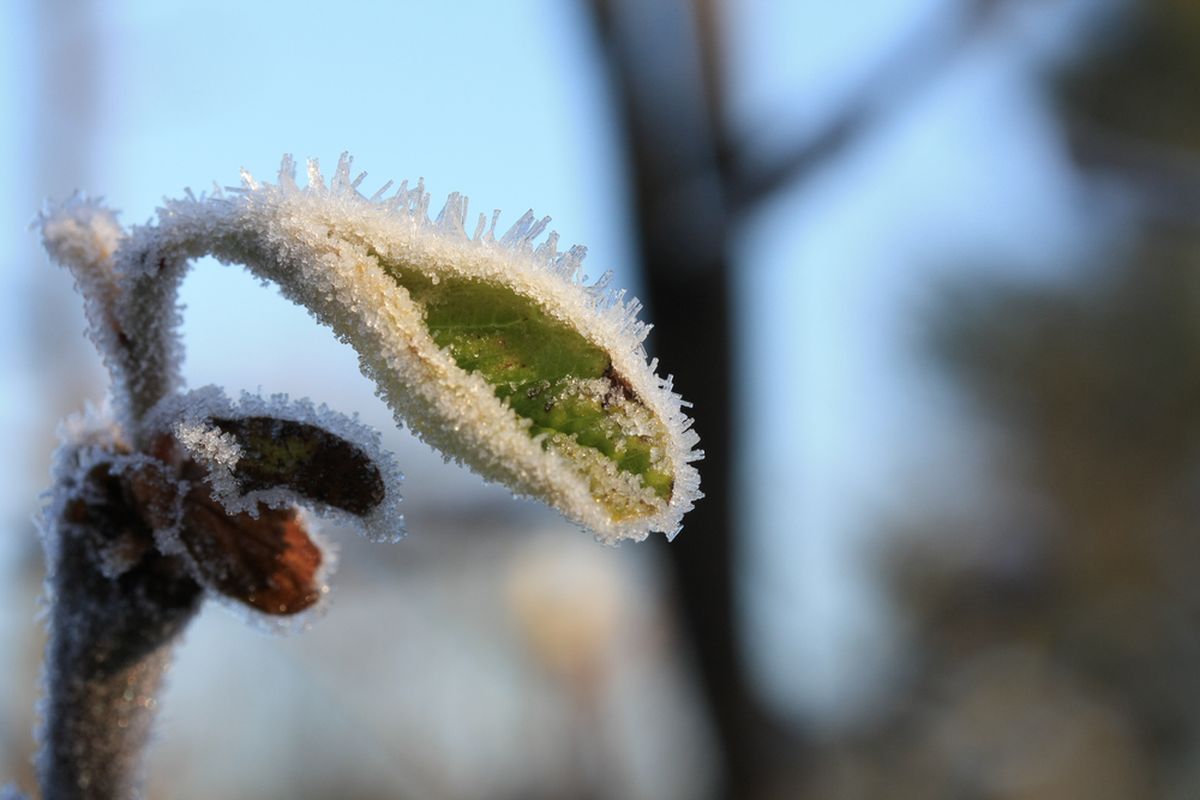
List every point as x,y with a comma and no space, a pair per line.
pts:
495,350
192,418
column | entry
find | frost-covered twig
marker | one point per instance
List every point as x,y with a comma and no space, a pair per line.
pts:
115,604
496,351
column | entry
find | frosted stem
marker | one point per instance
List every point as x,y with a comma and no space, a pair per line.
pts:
151,351
110,644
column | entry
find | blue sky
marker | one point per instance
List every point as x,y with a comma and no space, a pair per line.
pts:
506,103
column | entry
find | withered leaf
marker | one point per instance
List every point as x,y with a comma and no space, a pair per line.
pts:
267,562
307,459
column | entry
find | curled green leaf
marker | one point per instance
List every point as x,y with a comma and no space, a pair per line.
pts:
549,374
496,351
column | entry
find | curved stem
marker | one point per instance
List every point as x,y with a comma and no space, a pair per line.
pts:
149,349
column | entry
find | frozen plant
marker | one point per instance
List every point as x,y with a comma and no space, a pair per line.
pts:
496,351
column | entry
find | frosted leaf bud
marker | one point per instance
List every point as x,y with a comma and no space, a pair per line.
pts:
494,350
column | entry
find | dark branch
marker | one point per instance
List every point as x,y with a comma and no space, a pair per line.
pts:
917,63
1164,183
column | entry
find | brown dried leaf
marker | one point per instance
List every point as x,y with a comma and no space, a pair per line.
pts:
268,562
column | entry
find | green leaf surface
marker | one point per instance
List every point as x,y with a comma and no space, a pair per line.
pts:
546,371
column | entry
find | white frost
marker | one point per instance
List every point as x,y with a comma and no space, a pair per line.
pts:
189,416
322,245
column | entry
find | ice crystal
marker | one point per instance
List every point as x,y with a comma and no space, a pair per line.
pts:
495,350
276,452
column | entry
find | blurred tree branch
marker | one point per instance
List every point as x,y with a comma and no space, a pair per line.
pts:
1128,109
1078,572
668,87
913,65
1164,183
693,180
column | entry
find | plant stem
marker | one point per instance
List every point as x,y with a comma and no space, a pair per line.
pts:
110,644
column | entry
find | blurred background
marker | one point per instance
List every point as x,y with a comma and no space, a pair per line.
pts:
927,270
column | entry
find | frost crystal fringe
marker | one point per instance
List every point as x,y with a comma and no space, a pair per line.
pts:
611,449
196,419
